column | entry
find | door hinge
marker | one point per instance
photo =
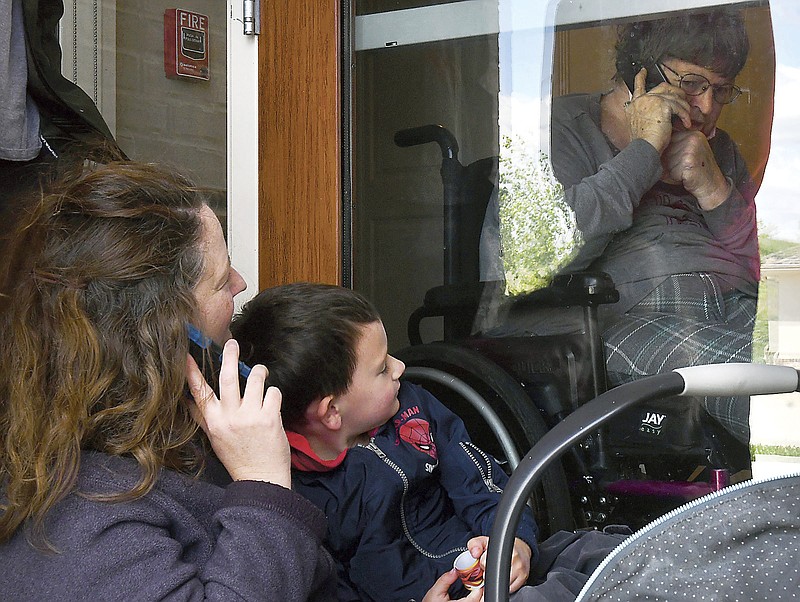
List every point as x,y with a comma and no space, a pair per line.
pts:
251,17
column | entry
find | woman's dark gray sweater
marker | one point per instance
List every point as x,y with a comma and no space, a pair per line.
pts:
185,540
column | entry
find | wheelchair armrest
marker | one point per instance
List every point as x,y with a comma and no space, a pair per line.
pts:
583,289
589,287
580,288
460,299
454,297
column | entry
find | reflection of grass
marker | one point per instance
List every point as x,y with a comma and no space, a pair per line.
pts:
768,245
761,328
774,450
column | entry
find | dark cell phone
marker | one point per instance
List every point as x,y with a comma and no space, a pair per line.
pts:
208,356
655,75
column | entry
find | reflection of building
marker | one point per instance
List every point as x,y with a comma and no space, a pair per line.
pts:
780,276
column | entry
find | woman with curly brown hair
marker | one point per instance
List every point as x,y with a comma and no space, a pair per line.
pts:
104,491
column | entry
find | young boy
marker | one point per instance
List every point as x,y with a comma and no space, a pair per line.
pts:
403,487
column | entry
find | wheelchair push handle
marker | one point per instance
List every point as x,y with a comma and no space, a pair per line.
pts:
713,379
429,133
719,380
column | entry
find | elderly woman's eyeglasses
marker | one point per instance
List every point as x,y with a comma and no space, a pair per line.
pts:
694,85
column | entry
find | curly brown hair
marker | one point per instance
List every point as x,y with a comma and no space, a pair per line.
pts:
96,290
716,40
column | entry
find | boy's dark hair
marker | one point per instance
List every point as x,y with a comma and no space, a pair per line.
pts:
716,40
306,335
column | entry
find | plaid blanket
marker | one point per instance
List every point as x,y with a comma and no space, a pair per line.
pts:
687,320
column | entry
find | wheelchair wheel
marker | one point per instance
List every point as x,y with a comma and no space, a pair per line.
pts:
511,411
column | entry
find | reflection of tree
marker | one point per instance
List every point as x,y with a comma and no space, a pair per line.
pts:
537,227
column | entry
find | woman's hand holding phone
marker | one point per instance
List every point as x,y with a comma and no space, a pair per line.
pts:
245,430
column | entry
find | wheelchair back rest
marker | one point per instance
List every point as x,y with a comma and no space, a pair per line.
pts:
467,190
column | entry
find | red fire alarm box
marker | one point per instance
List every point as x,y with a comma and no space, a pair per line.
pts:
185,44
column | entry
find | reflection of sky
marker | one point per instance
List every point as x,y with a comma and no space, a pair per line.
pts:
524,82
525,59
778,200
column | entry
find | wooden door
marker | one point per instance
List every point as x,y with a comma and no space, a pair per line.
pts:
300,197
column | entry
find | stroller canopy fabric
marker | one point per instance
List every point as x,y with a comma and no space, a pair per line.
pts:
741,543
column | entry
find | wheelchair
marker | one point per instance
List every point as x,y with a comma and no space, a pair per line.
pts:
512,390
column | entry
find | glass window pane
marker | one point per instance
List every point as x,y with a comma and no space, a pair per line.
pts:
115,52
482,195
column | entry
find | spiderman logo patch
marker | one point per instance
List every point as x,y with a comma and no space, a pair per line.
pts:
417,433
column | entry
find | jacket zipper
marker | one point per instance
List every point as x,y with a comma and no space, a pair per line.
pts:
484,469
379,452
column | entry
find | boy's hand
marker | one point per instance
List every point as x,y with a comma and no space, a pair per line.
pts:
520,559
438,593
520,564
245,431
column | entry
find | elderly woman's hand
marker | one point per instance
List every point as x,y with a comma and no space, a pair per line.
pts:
245,431
650,112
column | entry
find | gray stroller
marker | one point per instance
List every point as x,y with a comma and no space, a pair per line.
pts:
739,543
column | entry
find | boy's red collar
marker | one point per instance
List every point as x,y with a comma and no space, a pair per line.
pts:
305,459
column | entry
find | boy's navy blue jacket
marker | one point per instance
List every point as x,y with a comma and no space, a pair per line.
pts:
401,508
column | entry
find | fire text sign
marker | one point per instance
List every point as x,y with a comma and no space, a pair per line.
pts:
185,44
